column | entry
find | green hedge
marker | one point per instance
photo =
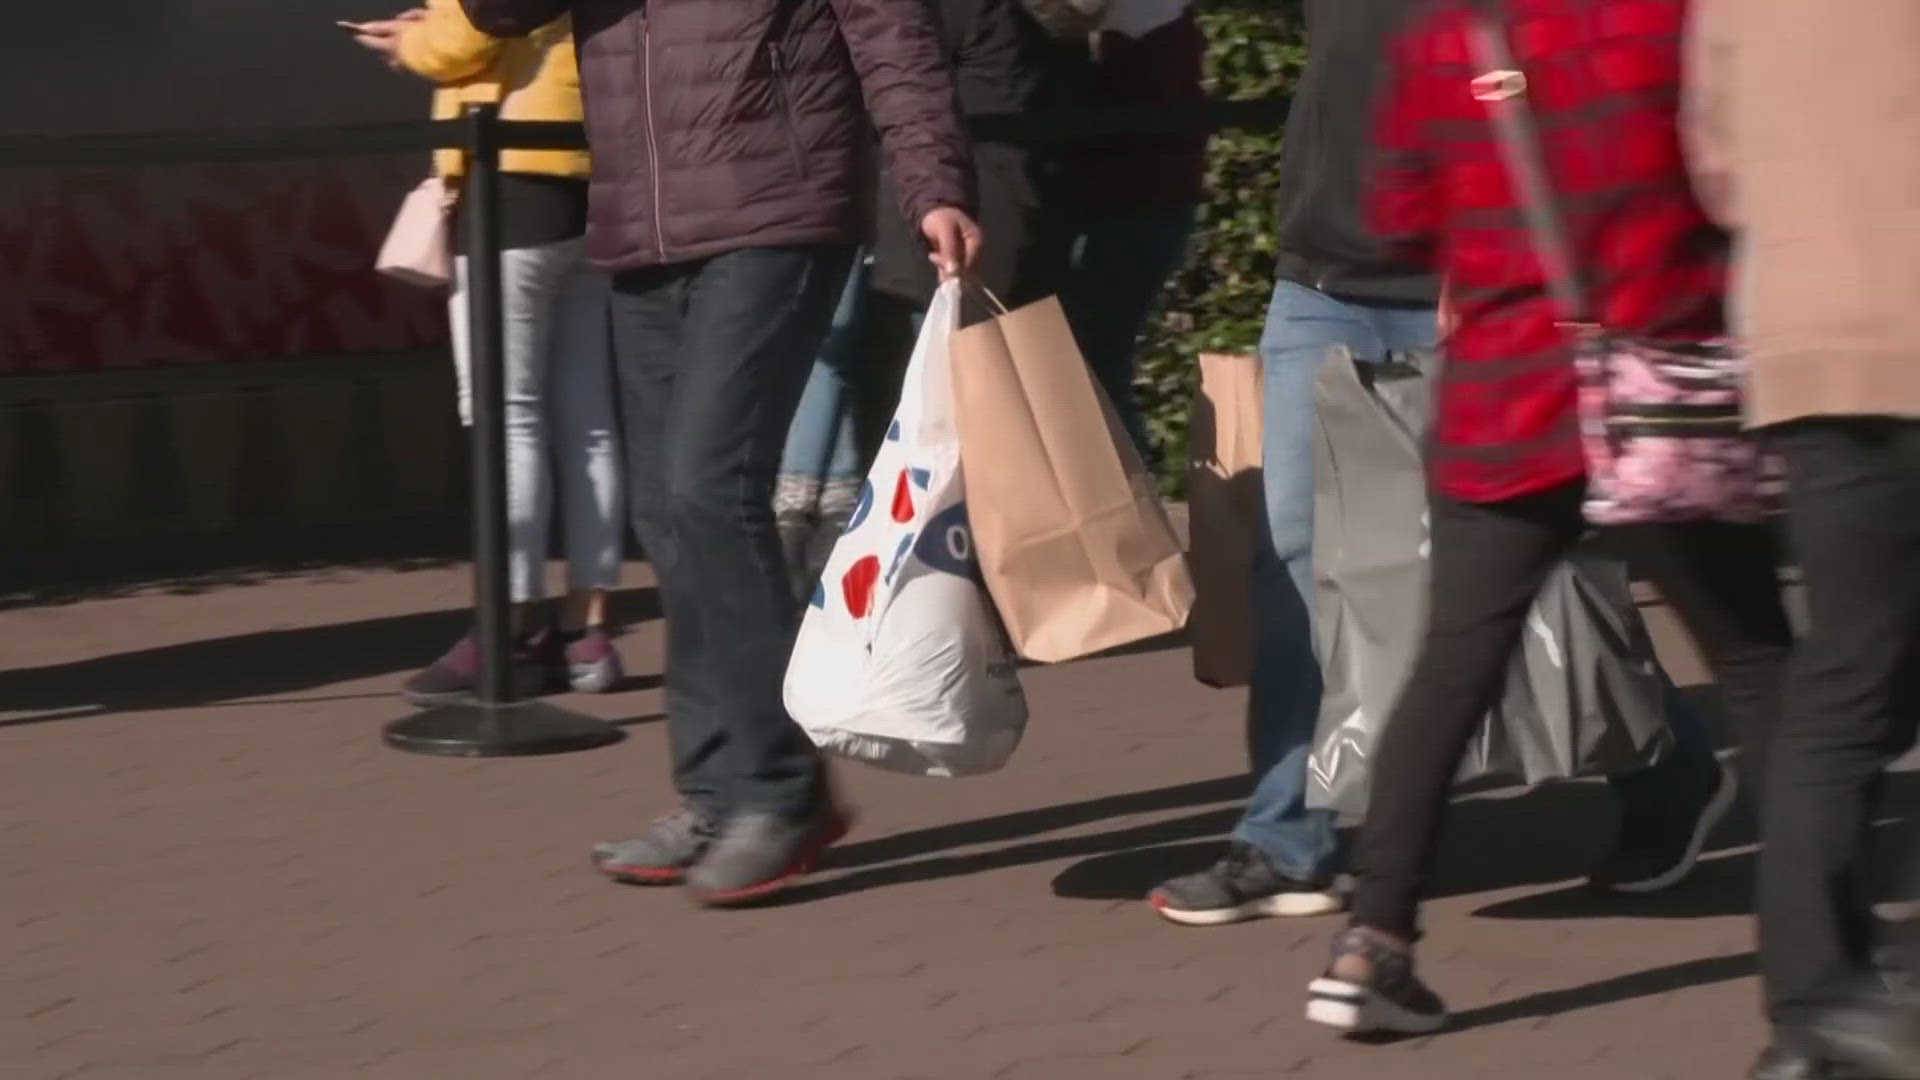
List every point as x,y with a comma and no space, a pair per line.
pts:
1216,304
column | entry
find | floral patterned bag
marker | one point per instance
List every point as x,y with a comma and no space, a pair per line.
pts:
1661,422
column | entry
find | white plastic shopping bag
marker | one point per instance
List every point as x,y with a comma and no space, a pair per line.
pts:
901,660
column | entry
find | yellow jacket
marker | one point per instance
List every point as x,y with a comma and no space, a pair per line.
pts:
531,78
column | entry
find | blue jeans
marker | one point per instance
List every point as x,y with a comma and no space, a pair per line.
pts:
1121,265
712,359
562,439
1302,325
821,443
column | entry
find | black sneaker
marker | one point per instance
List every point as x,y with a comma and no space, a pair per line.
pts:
1660,843
661,855
1390,999
1243,885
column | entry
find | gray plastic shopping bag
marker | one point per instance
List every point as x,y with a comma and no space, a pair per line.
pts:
1583,694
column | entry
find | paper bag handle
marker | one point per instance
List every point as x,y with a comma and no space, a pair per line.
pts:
981,288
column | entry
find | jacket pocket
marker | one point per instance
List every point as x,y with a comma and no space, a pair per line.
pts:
783,89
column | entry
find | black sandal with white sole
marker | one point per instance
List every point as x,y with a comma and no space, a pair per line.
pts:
1392,999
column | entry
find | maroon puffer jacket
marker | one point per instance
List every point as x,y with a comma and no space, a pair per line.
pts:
724,124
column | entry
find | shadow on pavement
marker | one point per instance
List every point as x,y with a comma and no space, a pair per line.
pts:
1692,973
1552,833
1131,875
941,867
1024,824
192,580
262,664
1723,884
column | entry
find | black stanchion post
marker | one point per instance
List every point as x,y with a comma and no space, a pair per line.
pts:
493,724
486,352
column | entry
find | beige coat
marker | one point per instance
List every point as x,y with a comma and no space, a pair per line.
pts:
1803,121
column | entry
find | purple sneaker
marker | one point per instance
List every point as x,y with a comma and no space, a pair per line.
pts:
593,666
451,679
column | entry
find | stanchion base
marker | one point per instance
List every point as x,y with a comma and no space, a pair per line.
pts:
478,730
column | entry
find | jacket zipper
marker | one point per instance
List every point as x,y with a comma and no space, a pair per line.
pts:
785,93
653,146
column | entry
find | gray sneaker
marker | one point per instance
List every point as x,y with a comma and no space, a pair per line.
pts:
1661,837
1877,1034
661,855
1243,885
758,854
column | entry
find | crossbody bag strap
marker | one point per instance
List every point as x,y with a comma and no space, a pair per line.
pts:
1502,86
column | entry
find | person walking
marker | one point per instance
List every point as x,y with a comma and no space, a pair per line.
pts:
822,466
1134,199
730,153
1824,190
561,434
1340,285
1508,467
1004,65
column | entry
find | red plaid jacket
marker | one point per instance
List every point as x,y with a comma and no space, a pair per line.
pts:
1604,86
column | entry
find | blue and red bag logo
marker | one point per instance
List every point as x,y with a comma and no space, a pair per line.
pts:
945,545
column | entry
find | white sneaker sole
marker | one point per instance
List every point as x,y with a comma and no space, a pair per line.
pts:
599,677
1280,906
1874,1056
1710,819
1357,1010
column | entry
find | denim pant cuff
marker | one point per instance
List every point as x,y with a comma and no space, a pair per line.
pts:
1284,858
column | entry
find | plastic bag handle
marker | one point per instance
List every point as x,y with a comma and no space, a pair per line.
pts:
935,417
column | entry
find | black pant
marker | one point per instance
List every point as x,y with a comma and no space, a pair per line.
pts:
1850,710
1489,561
712,359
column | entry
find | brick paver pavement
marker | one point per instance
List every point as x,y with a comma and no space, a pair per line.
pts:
210,869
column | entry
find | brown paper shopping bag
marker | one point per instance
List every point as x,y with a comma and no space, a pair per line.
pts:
1071,536
1225,508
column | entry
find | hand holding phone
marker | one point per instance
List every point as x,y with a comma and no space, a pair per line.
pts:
393,24
381,37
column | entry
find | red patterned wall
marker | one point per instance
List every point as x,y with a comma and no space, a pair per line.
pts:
166,266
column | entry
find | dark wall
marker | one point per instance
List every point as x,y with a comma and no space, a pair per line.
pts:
70,66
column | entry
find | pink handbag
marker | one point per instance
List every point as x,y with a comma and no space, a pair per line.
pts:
1662,423
1664,434
416,248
